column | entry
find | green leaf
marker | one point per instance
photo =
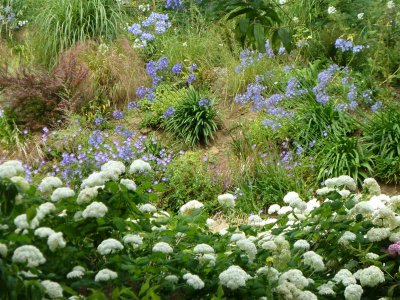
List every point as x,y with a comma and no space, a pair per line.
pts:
286,39
259,37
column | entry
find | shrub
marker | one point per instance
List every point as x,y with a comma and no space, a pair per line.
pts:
313,121
382,138
190,178
110,242
344,155
194,120
63,23
39,98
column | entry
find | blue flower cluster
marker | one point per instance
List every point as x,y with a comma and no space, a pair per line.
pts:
173,4
155,24
345,45
157,70
204,102
324,78
250,57
170,112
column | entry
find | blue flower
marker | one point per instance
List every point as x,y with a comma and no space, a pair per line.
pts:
133,105
169,112
176,69
117,114
141,92
135,29
191,78
204,102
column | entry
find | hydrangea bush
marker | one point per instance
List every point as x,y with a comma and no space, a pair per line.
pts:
107,239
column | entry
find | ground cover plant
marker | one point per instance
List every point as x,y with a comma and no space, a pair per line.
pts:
185,149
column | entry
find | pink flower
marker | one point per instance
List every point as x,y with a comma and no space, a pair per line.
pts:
394,249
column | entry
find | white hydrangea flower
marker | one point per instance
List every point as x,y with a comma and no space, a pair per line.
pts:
21,182
271,273
255,220
52,289
115,167
172,279
29,255
129,184
295,277
341,181
139,166
105,275
95,179
109,246
394,237
291,197
274,208
227,200
360,16
163,247
324,191
390,4
345,277
249,247
44,209
237,236
301,244
378,234
344,193
284,210
159,228
62,193
147,208
371,276
269,245
56,241
21,222
372,186
203,248
194,281
88,194
188,208
3,250
11,168
95,210
210,223
49,183
326,289
314,261
372,256
234,277
133,239
77,272
346,238
353,292
207,259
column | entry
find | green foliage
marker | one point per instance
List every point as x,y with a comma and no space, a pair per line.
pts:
344,155
63,23
266,181
382,138
166,96
313,121
195,119
256,19
190,177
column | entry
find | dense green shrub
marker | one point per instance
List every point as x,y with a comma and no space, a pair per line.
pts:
194,120
190,177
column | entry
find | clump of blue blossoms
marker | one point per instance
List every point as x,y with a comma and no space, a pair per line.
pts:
174,4
345,45
145,32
